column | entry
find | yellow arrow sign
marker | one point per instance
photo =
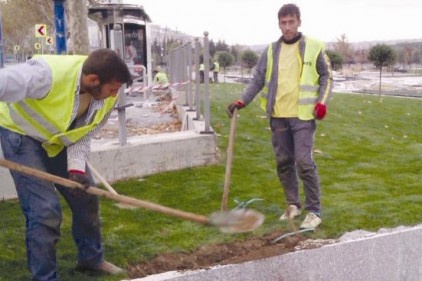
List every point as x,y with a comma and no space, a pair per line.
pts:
37,46
40,30
49,40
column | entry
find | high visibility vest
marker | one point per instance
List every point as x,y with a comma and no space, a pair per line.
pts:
48,119
160,78
216,67
308,92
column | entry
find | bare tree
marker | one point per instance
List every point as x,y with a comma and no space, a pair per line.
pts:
78,26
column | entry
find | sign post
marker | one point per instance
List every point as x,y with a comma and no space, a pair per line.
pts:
1,44
60,25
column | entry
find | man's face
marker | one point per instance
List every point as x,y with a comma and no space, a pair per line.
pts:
289,25
100,92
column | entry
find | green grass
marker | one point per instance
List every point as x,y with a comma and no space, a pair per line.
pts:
369,160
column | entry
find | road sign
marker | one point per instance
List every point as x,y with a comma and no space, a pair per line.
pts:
16,48
37,46
49,40
40,30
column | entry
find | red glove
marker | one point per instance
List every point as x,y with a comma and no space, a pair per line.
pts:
320,110
80,177
236,104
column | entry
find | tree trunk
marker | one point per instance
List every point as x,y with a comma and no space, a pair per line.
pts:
379,88
78,27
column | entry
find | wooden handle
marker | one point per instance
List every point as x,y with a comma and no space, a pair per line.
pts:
229,162
103,193
101,178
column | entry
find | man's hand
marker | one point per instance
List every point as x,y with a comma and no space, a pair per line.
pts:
236,104
80,177
320,110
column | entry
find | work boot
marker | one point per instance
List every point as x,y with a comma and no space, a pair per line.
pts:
311,221
104,267
291,212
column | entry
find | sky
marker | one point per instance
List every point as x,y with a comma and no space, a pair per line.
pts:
255,22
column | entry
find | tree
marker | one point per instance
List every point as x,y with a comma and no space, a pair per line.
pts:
343,47
336,59
382,55
249,59
78,26
225,59
19,18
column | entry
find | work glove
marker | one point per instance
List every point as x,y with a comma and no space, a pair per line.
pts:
80,177
236,104
320,110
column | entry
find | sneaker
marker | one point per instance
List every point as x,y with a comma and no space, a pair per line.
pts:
291,212
311,221
104,267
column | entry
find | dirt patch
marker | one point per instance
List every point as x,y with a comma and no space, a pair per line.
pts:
144,118
206,256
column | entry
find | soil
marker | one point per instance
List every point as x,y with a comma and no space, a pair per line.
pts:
155,116
206,256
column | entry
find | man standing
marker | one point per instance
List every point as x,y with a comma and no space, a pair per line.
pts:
51,108
295,77
216,70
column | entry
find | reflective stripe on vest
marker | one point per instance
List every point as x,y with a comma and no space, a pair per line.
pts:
48,119
308,80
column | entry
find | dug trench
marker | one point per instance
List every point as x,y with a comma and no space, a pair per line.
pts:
207,256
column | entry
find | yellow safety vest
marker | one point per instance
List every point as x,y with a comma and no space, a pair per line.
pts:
161,78
48,119
216,67
308,80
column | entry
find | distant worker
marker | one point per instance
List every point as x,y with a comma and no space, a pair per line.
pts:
215,70
294,74
201,73
51,107
160,78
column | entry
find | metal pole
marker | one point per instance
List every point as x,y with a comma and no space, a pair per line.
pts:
197,90
60,25
1,43
121,108
189,47
206,83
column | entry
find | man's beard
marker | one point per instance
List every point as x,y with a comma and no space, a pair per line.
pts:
95,91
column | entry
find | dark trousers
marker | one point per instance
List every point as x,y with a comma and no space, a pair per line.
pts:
293,141
40,204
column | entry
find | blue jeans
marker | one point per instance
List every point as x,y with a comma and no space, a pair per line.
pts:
40,204
293,141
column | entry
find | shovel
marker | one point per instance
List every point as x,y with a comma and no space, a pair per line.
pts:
230,147
235,221
108,186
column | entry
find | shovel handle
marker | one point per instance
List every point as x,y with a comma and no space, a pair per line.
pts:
230,147
103,193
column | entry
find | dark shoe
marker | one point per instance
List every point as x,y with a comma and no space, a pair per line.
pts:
104,267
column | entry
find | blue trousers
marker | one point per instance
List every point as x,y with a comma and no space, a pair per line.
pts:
293,141
40,204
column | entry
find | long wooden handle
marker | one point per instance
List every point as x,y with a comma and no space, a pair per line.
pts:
230,147
103,193
101,178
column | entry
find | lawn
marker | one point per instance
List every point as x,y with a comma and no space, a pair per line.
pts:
369,156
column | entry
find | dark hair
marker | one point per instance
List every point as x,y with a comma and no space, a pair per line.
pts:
108,65
289,9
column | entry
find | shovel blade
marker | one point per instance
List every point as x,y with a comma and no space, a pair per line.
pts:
237,221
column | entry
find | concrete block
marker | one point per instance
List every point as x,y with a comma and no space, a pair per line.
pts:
394,255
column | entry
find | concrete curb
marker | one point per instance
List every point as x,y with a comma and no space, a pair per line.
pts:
387,255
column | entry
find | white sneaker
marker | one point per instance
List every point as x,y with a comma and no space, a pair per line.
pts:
291,212
311,221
